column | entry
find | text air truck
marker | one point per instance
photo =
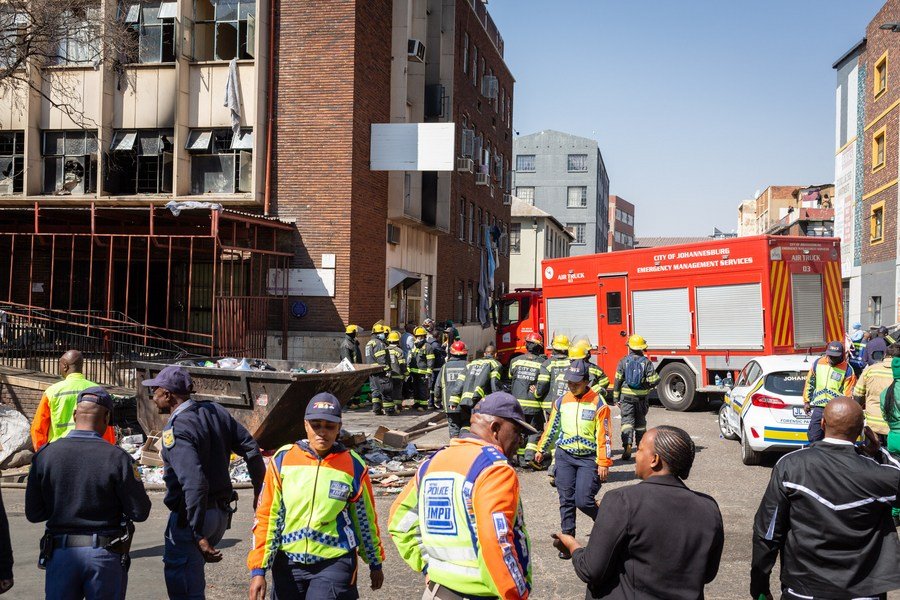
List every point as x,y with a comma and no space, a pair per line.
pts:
704,308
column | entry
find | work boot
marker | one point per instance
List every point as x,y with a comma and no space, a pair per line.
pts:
376,409
420,408
626,452
391,412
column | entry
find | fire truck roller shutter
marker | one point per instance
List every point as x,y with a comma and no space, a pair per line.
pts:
730,317
573,317
809,314
663,318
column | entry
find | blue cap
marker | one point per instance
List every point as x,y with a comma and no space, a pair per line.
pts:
577,371
323,407
504,405
97,395
173,378
835,349
857,325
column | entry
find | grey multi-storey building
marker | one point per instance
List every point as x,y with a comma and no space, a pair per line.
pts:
564,175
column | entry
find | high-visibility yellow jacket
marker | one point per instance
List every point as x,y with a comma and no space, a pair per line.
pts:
460,520
54,417
314,509
871,383
581,427
825,382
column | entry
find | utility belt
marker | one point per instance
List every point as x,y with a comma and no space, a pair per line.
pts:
228,505
119,543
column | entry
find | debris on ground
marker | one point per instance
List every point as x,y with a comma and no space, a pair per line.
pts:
15,439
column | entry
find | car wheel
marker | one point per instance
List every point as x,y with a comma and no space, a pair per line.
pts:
677,387
724,426
749,456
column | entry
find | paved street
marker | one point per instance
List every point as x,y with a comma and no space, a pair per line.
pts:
717,471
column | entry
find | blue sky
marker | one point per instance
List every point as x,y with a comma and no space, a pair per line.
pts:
696,104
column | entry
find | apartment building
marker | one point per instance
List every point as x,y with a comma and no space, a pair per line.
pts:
534,235
621,224
747,218
306,217
565,175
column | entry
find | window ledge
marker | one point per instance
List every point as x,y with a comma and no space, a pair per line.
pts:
880,94
204,63
150,65
878,167
78,67
876,242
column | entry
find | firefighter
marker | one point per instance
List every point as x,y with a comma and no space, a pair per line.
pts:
481,377
440,355
829,377
529,380
398,373
421,362
556,365
376,353
635,377
447,386
580,425
460,521
597,379
350,345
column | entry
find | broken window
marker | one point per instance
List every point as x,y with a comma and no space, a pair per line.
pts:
12,162
221,163
70,162
79,38
140,162
224,29
153,27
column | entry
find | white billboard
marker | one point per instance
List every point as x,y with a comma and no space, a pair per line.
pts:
413,147
845,204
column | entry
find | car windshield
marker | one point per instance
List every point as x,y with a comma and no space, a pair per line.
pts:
786,383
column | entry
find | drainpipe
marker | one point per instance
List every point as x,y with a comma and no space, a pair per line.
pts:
270,85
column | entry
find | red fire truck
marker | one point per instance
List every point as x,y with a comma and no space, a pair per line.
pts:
705,308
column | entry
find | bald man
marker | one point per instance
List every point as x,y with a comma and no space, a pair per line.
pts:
827,510
53,418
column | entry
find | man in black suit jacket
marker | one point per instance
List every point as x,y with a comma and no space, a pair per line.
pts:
636,549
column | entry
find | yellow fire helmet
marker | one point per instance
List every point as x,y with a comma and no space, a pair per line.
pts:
580,350
637,342
351,329
420,332
560,342
393,336
377,328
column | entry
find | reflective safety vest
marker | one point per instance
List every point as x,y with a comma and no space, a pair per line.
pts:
870,386
448,384
526,371
460,518
825,382
557,366
581,427
314,509
421,360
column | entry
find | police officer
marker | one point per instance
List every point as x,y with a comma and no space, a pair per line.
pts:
421,362
597,379
377,354
635,377
315,513
829,376
53,417
460,520
399,372
350,346
580,425
448,386
89,492
529,381
197,444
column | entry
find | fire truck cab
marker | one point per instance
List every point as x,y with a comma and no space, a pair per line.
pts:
519,313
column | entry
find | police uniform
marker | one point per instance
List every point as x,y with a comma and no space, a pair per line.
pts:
460,519
529,382
421,361
198,441
315,514
88,491
447,388
634,403
824,382
399,372
382,390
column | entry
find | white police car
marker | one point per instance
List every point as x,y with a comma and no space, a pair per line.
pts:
765,408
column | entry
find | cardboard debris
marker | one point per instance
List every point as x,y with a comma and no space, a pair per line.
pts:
150,456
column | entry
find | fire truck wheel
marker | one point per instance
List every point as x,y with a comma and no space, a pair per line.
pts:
677,387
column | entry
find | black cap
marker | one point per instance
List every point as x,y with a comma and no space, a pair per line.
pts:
504,405
835,349
97,395
323,407
172,378
577,371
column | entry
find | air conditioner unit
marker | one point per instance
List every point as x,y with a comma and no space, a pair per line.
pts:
393,234
415,50
482,179
465,165
507,199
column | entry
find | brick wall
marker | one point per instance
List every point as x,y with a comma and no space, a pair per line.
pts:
878,42
24,399
458,260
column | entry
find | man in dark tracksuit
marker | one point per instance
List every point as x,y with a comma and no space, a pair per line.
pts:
448,386
827,511
350,346
529,381
197,441
89,492
421,362
633,400
377,354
